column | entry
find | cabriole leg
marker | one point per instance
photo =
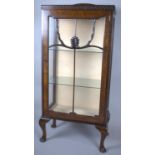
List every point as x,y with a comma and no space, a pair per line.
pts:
104,133
54,123
42,123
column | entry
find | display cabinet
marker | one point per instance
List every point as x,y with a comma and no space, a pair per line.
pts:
76,64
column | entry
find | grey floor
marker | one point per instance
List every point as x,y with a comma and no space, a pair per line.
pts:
74,138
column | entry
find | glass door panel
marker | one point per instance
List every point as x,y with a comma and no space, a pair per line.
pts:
60,68
88,66
87,83
86,101
88,69
86,28
63,99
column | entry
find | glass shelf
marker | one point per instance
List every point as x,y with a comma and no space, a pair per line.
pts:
87,50
79,82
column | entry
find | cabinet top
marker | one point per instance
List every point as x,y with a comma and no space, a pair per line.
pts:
80,6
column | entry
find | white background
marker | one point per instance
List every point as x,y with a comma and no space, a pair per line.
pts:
17,77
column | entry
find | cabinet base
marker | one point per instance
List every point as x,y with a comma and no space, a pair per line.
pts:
103,131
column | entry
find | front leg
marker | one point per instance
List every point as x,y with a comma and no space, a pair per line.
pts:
42,123
104,133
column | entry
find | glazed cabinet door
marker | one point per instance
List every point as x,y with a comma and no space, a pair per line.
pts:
75,53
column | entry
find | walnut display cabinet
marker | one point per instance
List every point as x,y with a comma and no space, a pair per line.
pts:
76,65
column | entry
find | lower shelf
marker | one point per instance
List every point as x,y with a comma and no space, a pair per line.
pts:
77,109
79,82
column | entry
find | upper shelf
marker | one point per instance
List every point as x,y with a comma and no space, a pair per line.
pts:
77,50
79,82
